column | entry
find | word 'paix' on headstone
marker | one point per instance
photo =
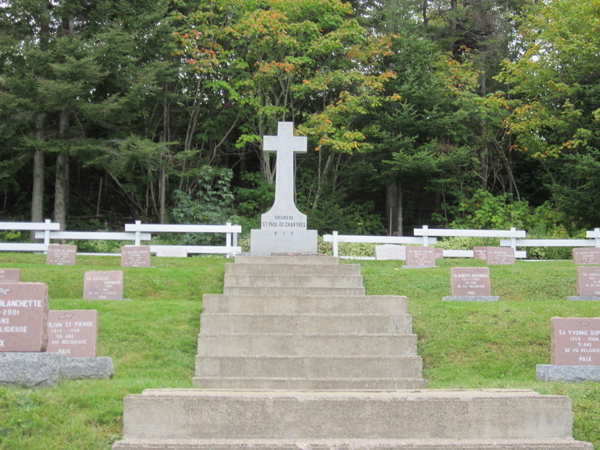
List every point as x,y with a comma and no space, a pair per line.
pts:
72,333
420,256
576,341
136,256
470,281
107,285
500,256
586,256
390,251
10,275
23,317
61,255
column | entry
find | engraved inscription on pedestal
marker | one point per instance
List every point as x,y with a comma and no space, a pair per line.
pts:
72,333
10,275
470,281
390,251
576,341
61,255
500,256
586,256
103,285
420,257
135,256
23,317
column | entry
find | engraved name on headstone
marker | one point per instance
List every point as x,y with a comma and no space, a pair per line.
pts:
500,256
480,253
135,256
420,256
588,281
23,317
576,341
106,285
283,228
390,251
586,256
72,333
61,255
470,281
10,275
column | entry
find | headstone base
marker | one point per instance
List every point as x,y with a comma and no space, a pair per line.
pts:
471,298
584,297
575,374
420,267
32,369
267,242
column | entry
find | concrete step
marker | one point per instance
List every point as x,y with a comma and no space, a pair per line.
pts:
306,345
212,323
301,281
308,260
307,415
353,444
318,304
292,269
310,367
292,291
345,384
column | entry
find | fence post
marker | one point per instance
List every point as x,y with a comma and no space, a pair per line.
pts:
425,237
513,241
138,234
335,243
47,234
228,236
598,238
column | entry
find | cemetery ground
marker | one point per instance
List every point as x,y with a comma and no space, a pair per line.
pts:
152,339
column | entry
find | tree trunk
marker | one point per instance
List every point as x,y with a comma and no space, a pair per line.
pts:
62,176
37,195
162,194
394,211
425,18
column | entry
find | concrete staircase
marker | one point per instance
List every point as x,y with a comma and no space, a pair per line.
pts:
293,355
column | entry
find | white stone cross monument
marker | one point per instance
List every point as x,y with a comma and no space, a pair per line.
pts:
283,227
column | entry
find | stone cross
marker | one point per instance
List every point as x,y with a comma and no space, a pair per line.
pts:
285,144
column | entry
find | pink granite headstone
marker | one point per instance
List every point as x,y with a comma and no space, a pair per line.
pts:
10,275
135,256
439,253
576,341
480,253
72,333
470,281
588,281
420,256
23,317
586,256
500,256
103,285
61,255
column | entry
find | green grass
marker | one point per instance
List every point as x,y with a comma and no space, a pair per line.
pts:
152,339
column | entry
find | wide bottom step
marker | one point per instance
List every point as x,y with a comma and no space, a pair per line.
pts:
353,444
307,383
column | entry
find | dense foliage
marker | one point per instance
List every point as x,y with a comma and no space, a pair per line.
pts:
471,114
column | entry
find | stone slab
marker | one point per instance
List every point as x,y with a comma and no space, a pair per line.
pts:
61,255
470,298
311,260
390,252
480,253
586,256
439,253
103,285
291,269
136,256
23,317
470,282
292,291
574,374
281,281
420,257
500,256
576,341
99,368
10,275
264,242
31,369
171,252
72,333
290,383
584,298
588,281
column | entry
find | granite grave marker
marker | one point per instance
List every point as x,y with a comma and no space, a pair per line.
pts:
480,253
107,285
10,275
586,256
575,341
500,256
470,284
136,256
420,257
72,333
390,251
61,255
439,253
23,317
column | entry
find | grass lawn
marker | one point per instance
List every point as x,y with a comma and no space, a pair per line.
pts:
152,339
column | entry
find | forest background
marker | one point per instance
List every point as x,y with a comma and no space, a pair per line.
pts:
472,113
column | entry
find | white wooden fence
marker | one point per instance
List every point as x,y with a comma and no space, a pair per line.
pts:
43,228
336,239
593,240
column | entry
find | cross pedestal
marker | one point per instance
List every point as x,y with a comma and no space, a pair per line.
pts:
283,227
